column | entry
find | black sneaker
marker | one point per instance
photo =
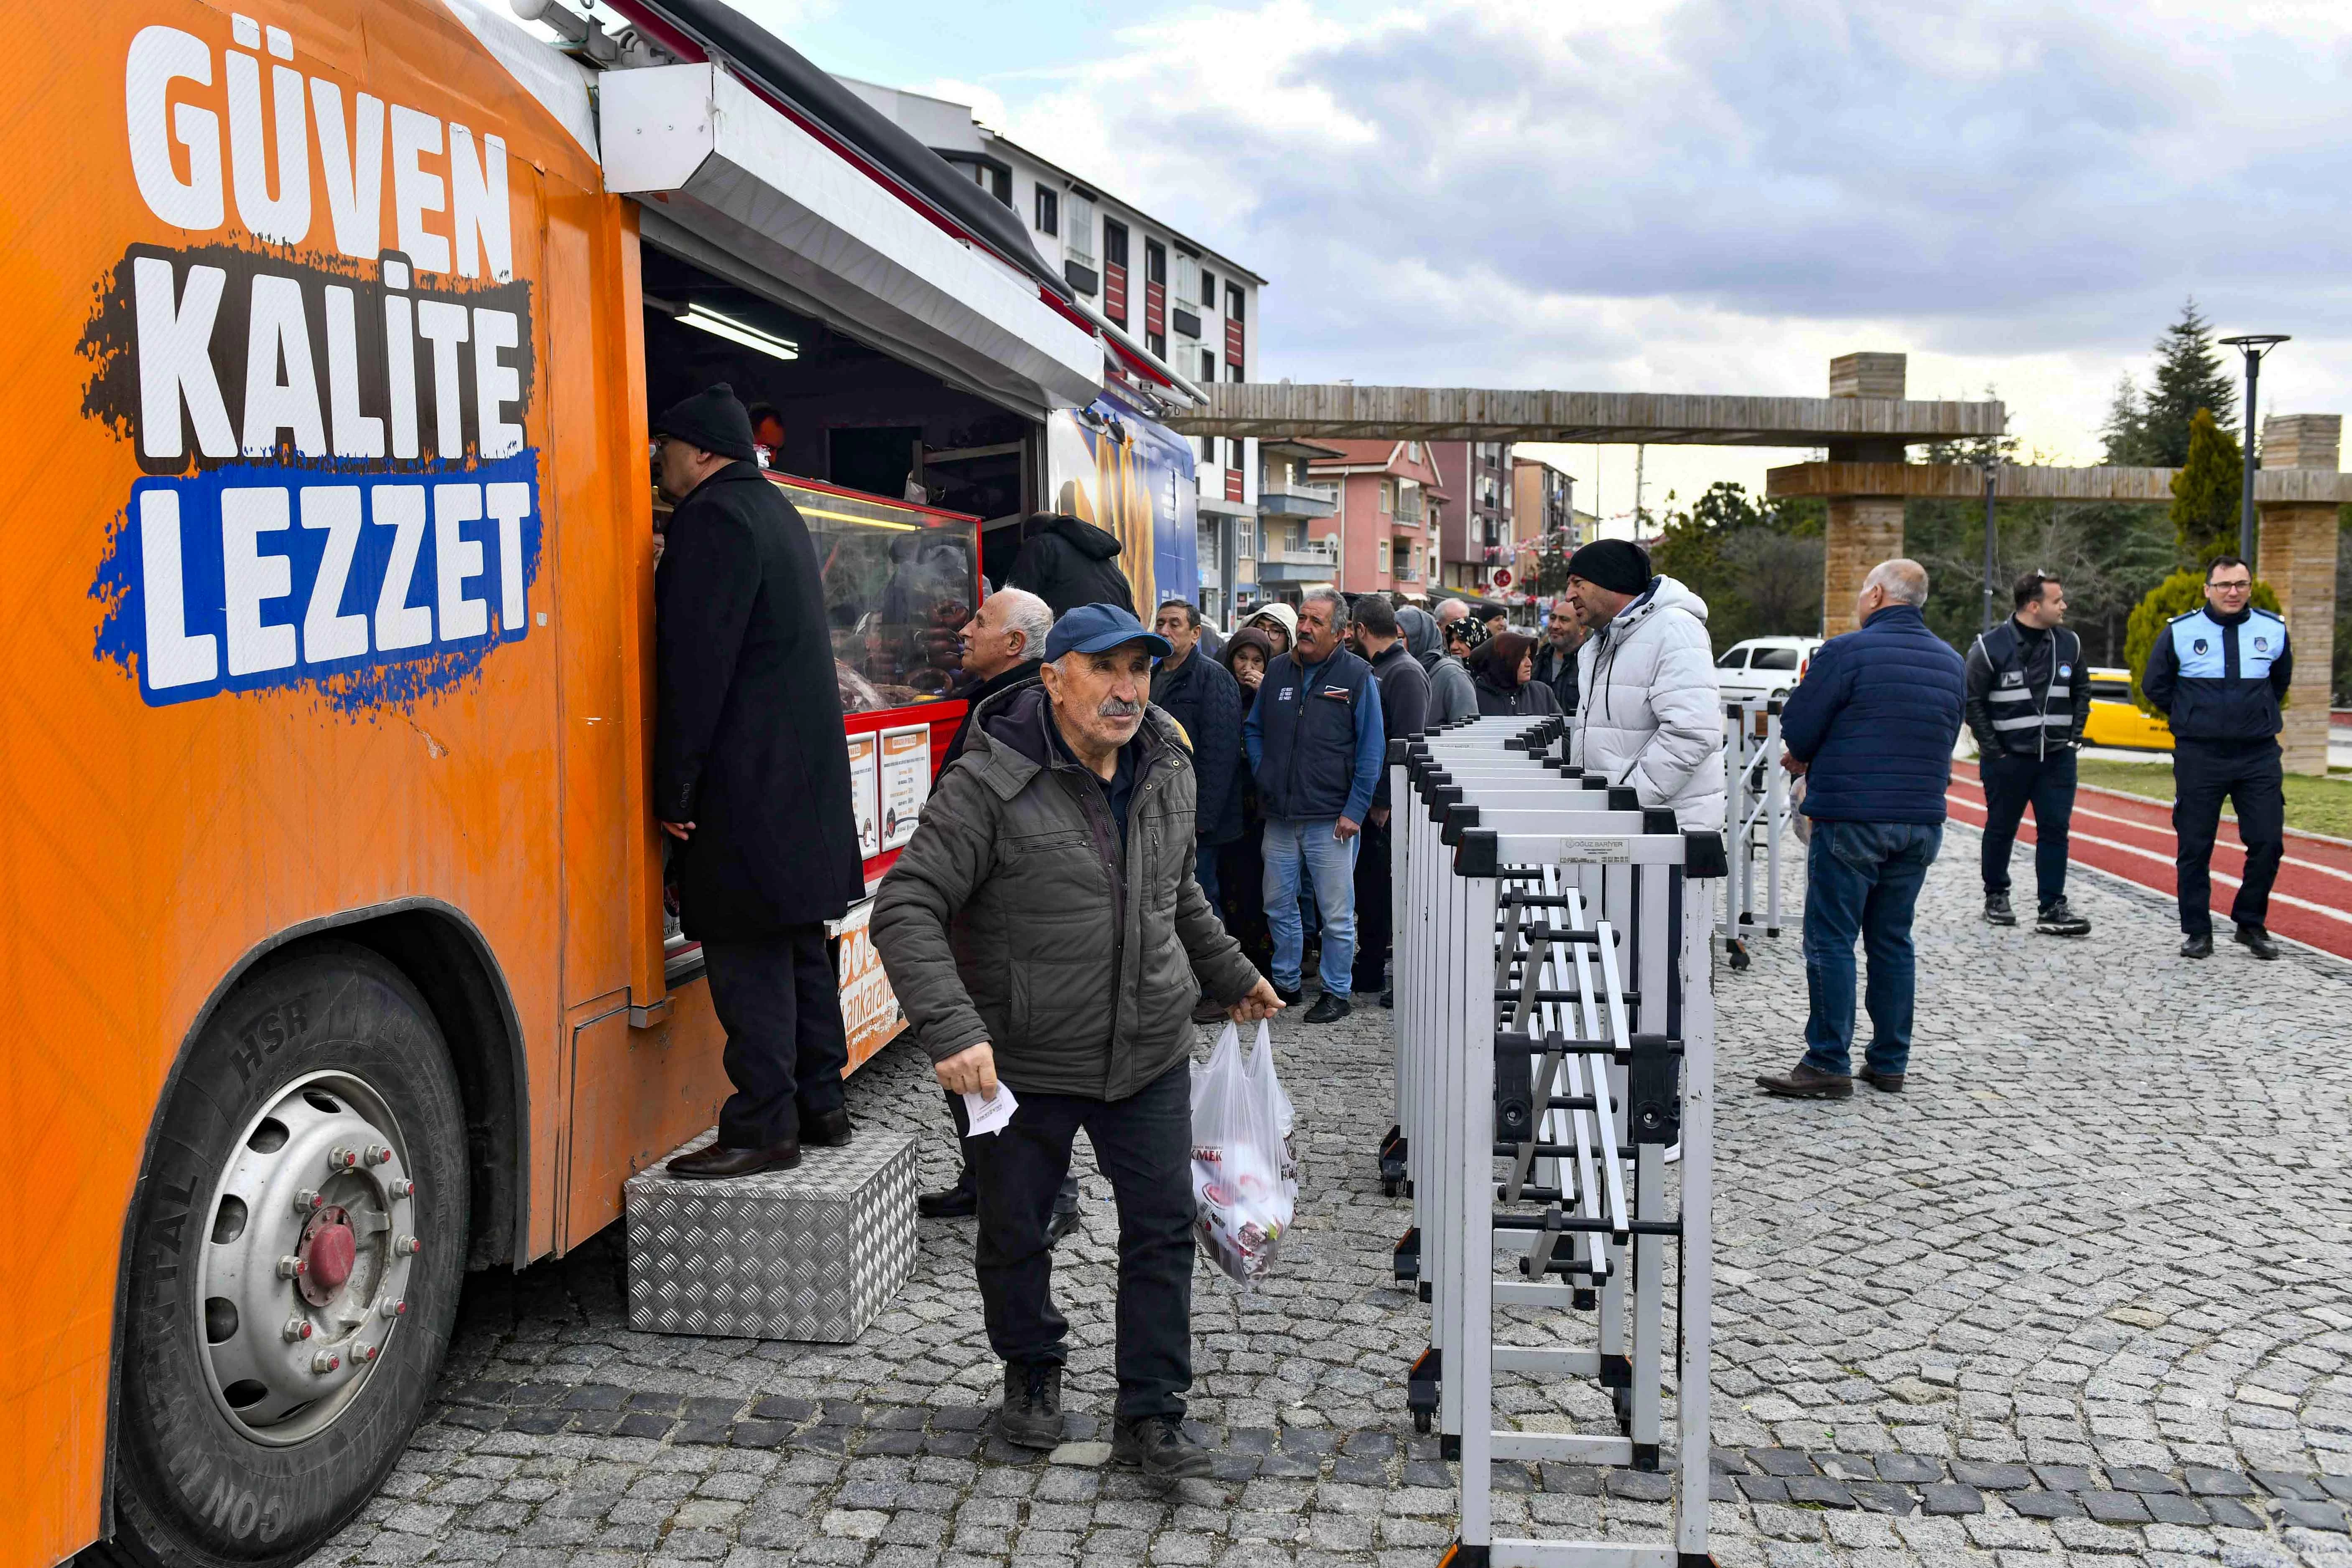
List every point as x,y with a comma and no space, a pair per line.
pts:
2254,939
1329,1008
1289,998
1031,1414
1997,911
2197,946
1160,1448
2057,919
1061,1223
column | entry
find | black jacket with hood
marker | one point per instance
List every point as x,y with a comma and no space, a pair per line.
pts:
1069,563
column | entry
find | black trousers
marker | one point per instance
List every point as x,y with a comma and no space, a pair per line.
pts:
786,1048
2249,774
1375,911
1144,1144
1064,1200
2011,783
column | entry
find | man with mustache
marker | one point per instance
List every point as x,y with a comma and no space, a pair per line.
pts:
1045,932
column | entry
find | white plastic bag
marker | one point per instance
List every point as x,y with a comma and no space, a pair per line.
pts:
1244,1181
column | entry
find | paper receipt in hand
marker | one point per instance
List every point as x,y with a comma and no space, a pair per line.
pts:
990,1115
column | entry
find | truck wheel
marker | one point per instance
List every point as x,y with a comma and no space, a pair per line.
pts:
296,1251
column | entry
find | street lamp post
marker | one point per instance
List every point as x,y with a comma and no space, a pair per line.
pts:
1992,538
2254,345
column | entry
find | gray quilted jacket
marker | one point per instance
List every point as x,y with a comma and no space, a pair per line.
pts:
1012,917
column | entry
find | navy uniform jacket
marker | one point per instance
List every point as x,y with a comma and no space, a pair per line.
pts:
2220,677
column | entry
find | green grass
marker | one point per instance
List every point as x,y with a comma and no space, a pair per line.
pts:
2313,805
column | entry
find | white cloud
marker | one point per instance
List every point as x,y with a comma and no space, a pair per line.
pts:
1717,196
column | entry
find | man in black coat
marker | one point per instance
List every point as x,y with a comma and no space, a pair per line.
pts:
1379,634
1200,694
1068,562
751,776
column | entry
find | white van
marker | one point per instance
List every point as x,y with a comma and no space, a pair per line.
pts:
1764,666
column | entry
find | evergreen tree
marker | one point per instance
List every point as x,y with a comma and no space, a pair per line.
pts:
2205,492
2126,429
2189,376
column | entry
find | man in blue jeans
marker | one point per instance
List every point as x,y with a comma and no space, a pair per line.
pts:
1871,728
1316,745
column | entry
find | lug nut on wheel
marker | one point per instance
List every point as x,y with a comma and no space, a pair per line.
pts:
298,1329
310,1200
291,1268
376,1154
407,1247
403,1188
366,1352
342,1158
393,1309
325,1362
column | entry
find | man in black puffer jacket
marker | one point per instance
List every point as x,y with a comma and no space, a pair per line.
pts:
1068,562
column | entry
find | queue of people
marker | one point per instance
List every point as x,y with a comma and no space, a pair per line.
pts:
1134,831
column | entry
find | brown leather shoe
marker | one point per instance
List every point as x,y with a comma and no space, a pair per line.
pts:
719,1163
1805,1082
829,1130
1883,1082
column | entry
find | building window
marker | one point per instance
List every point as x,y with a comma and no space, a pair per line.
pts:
1412,450
1234,300
1208,366
1187,279
1157,343
1155,262
1207,290
1387,495
1078,243
1049,210
1114,241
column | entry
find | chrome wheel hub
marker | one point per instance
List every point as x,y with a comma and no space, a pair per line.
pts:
312,1232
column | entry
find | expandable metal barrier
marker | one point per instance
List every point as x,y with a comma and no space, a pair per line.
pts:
1554,1026
1755,810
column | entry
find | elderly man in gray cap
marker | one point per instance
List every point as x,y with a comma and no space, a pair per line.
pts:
1047,937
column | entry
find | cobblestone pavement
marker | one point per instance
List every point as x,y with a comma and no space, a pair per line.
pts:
2080,1295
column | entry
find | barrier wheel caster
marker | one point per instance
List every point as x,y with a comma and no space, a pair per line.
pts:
1389,1187
1737,954
1420,1422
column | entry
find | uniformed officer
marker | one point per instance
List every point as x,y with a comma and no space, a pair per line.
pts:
2027,704
2218,675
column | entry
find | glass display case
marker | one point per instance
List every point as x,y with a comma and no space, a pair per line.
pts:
900,580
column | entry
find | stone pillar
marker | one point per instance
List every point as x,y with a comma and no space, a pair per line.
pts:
1862,530
2297,548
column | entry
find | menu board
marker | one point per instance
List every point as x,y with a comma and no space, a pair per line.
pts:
869,1008
865,800
905,781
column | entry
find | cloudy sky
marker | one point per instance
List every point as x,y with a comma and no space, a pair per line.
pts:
1700,195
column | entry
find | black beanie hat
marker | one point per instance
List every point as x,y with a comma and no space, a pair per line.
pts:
1619,565
713,419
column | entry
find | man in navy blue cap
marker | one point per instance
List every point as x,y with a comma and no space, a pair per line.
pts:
1045,932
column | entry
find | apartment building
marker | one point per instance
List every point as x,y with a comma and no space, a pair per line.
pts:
1543,505
1357,515
1476,539
1194,307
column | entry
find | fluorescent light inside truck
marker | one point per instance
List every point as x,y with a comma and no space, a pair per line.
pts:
735,331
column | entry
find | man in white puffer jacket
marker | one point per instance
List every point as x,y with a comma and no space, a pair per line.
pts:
1649,714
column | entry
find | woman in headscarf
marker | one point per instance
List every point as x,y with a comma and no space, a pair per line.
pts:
1280,621
1241,864
1502,676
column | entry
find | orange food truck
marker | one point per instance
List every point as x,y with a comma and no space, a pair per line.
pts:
333,902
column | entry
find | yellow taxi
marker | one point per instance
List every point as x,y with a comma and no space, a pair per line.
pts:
2117,721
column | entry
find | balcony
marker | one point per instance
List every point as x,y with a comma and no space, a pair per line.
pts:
1297,498
1312,560
1409,511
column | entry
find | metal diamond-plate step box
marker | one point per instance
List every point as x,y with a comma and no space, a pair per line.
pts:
811,1253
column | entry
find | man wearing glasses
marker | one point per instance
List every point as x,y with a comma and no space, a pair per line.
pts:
2218,675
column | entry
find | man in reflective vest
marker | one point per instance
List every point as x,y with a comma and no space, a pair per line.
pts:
2218,674
2028,701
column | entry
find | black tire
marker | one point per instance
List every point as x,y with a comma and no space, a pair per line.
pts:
191,1488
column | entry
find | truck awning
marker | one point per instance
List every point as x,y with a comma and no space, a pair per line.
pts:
737,185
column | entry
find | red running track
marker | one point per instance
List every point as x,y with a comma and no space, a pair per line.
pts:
2132,839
